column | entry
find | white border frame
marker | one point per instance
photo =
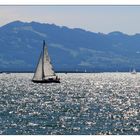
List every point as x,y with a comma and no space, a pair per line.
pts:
69,2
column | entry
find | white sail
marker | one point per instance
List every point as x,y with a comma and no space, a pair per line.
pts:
134,71
39,70
47,67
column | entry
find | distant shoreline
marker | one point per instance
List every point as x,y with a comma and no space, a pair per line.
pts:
64,71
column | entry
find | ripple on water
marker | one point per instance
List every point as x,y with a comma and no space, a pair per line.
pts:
101,103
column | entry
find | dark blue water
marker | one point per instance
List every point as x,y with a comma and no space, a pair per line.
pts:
82,104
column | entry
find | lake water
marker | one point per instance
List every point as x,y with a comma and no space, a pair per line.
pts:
82,104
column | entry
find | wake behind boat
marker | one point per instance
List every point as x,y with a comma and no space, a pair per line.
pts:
44,72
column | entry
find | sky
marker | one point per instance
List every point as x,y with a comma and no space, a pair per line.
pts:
102,19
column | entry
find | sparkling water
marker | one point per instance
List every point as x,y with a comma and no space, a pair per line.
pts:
82,104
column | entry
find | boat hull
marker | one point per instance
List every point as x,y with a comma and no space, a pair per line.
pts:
46,81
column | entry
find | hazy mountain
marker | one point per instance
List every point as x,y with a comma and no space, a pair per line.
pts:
69,49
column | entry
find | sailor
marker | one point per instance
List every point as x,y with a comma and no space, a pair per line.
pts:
57,78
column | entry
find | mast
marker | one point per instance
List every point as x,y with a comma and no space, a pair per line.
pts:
43,60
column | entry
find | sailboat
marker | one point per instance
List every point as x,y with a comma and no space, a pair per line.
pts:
44,72
133,72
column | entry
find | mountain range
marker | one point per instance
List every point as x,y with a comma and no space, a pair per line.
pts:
69,49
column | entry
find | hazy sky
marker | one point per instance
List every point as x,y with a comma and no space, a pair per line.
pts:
103,19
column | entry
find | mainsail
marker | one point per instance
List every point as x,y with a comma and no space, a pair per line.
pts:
47,66
44,68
